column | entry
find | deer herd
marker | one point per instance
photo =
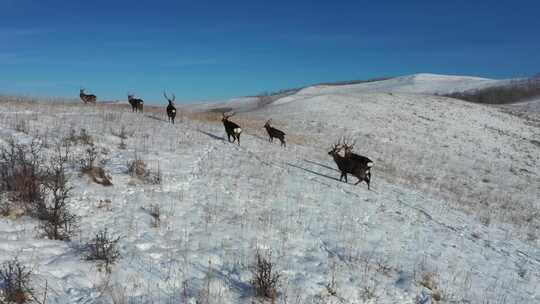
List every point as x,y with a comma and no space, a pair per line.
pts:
342,152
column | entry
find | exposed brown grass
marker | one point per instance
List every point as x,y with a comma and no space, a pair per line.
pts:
252,125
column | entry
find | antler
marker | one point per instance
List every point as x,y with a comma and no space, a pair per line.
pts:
338,145
169,99
227,116
347,145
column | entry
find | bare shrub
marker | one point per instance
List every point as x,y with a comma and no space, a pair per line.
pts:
137,168
22,126
15,283
104,248
96,173
90,156
265,278
105,204
122,133
429,281
516,91
21,173
82,138
111,117
118,294
10,209
155,213
154,177
5,206
368,292
58,223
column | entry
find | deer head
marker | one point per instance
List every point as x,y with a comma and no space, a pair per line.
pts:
226,117
267,124
336,148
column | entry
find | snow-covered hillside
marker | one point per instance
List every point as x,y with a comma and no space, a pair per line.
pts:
417,83
452,217
423,83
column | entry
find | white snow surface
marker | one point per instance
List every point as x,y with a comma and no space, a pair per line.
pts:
453,206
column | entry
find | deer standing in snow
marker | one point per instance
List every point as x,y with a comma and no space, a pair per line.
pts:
136,103
350,163
87,98
231,128
171,109
275,133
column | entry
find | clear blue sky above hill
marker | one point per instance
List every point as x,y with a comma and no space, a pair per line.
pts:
207,50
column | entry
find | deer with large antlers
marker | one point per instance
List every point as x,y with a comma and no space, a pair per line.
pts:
348,152
137,104
87,98
232,129
171,109
275,133
356,165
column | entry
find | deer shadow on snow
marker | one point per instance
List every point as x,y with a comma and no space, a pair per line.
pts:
319,164
213,136
314,172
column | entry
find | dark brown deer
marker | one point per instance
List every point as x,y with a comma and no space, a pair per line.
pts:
87,98
171,109
275,133
349,165
348,152
137,104
233,130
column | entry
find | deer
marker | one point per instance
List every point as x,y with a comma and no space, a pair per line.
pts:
275,133
348,152
231,128
350,165
171,109
136,103
87,98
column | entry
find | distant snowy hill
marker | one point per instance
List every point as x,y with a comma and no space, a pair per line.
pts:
414,84
417,83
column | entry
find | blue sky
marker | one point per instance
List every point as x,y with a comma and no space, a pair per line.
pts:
208,50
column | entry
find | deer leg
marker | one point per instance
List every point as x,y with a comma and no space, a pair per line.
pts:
343,174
